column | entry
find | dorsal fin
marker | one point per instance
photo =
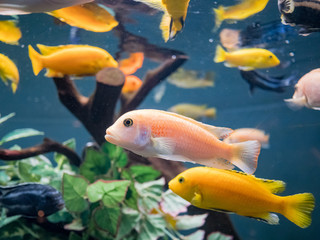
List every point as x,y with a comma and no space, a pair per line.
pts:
219,132
47,50
274,186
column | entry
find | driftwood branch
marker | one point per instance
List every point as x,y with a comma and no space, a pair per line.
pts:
96,112
46,146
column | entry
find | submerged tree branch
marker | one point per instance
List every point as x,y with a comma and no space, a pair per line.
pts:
46,146
152,79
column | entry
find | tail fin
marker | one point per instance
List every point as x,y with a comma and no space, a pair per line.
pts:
211,112
36,60
298,209
246,155
220,54
219,17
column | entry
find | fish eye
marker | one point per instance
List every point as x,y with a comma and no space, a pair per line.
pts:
128,122
270,56
181,180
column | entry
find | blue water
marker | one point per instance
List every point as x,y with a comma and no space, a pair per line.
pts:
294,153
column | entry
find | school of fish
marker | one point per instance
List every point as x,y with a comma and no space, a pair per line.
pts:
176,135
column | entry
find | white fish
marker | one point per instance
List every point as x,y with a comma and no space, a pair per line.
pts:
18,7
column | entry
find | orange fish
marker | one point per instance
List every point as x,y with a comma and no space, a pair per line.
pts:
155,133
132,64
131,84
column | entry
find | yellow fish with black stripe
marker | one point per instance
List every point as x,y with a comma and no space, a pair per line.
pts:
246,195
175,13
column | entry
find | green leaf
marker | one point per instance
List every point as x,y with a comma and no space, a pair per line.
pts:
150,193
25,172
198,235
20,133
75,225
144,173
129,219
74,190
62,159
74,236
5,118
107,219
152,227
116,154
173,204
110,192
60,216
219,236
4,178
6,220
95,164
187,222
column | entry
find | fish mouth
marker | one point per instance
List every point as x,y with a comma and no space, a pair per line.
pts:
111,137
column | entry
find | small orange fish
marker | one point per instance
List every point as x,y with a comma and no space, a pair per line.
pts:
155,133
246,134
132,64
131,84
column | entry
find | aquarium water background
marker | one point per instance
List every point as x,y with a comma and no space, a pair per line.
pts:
294,152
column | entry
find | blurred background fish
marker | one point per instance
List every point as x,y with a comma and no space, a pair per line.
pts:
31,200
131,84
173,19
243,10
9,32
194,111
302,13
257,35
266,82
9,72
131,64
246,134
90,16
307,91
191,79
17,7
75,60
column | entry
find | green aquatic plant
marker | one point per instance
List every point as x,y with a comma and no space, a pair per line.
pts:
105,197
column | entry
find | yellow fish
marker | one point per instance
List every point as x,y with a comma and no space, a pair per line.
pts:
88,16
9,71
246,195
190,79
240,11
76,60
175,13
9,32
193,111
247,59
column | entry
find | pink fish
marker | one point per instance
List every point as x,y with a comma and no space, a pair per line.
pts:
307,91
155,133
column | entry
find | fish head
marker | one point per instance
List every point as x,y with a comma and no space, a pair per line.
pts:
272,60
130,131
182,185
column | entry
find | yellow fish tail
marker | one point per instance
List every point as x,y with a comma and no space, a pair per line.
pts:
219,17
36,60
298,209
211,112
164,26
220,55
245,155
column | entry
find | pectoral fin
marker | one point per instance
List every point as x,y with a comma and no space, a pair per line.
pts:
163,145
197,199
287,6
